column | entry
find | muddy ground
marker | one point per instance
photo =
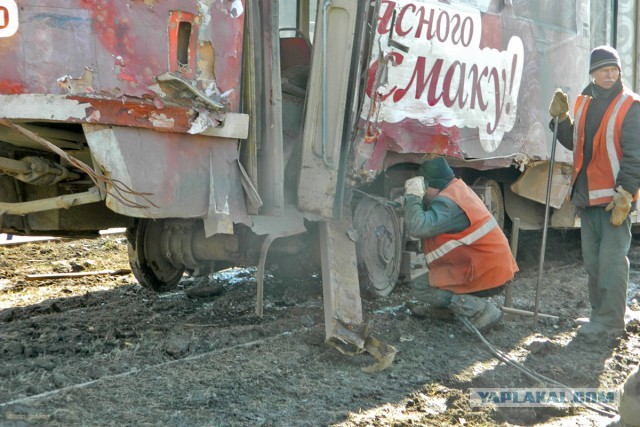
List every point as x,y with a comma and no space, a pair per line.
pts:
101,350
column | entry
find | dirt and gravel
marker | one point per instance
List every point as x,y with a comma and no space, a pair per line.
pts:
101,350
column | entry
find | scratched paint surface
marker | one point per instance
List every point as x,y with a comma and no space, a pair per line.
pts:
123,45
471,85
97,62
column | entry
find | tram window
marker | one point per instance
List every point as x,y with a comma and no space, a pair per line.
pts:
288,17
290,14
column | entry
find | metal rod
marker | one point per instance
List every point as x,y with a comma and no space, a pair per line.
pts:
260,274
526,313
546,218
515,232
325,98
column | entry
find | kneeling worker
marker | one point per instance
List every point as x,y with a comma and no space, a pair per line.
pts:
467,253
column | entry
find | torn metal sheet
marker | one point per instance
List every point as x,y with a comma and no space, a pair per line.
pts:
353,341
83,84
345,328
532,184
123,112
184,174
183,85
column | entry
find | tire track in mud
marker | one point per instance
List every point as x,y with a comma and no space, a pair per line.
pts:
113,353
54,335
83,341
137,371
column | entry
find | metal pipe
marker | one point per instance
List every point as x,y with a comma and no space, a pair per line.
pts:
526,313
12,166
515,232
325,7
59,202
546,217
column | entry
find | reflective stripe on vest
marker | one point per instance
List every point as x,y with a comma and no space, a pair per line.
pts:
476,235
611,149
578,115
609,142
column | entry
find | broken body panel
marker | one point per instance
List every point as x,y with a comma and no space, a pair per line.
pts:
152,94
151,83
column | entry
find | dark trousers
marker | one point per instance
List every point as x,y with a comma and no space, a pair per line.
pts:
604,249
442,298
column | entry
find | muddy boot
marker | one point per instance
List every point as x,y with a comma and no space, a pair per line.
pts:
482,313
596,333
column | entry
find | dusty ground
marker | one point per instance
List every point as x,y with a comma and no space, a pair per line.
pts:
102,350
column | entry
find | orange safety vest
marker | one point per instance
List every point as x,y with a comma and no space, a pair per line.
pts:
475,259
604,166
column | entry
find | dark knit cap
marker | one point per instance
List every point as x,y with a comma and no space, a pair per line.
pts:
604,56
436,172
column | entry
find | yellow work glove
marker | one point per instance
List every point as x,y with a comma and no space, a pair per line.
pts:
620,206
559,106
415,186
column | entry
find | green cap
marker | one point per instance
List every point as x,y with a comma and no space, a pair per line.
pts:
436,172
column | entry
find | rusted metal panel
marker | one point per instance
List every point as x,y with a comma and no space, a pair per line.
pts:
472,83
99,62
111,49
132,112
186,176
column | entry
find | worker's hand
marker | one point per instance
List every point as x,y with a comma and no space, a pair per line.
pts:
415,186
559,106
620,206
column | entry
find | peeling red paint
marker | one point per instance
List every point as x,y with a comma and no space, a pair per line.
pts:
8,87
113,29
409,136
127,77
134,113
126,44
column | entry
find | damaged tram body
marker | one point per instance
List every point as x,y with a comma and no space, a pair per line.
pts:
220,131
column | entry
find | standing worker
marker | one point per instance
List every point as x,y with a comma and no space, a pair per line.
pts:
605,139
467,254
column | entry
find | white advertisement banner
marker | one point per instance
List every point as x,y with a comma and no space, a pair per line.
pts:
446,77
